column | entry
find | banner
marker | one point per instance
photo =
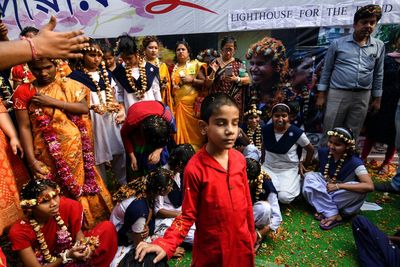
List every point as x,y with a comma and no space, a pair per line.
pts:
338,14
106,18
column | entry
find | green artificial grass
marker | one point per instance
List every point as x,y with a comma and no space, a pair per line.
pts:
301,242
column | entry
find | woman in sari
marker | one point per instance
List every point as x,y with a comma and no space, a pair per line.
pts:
12,169
188,78
150,45
57,139
226,75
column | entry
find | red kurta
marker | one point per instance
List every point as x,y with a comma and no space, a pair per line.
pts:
22,235
219,202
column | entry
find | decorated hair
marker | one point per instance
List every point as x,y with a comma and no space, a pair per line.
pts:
212,53
150,184
126,45
156,131
180,156
345,134
274,51
226,40
28,29
213,102
256,177
280,107
31,191
367,12
253,111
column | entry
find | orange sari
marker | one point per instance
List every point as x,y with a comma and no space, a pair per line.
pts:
96,207
13,175
187,124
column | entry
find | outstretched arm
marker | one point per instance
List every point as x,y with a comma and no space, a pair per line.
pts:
47,44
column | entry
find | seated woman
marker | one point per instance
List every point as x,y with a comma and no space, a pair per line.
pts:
170,206
57,139
342,183
266,210
133,215
51,234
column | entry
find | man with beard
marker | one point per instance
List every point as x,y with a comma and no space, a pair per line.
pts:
352,72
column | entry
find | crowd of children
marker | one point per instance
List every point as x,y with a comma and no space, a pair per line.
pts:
167,135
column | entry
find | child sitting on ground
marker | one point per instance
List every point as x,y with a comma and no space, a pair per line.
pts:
217,196
51,235
266,210
170,206
282,163
342,183
133,215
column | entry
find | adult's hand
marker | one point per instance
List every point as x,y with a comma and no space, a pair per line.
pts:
143,248
376,104
51,44
321,100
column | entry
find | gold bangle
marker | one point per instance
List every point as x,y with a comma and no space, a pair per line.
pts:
258,234
337,186
63,106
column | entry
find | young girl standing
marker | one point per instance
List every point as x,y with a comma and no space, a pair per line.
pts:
151,46
217,196
282,162
138,77
106,113
342,183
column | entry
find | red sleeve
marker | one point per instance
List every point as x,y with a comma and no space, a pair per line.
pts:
126,130
175,234
71,211
21,235
22,96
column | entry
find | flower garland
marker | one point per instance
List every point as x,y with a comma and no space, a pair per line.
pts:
333,179
258,183
257,131
182,73
109,105
63,170
26,74
139,93
156,62
64,240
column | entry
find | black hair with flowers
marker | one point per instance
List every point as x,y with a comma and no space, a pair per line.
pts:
34,187
156,131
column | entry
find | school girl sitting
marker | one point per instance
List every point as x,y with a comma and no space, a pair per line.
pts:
170,206
282,163
342,183
133,215
51,235
266,210
217,196
105,112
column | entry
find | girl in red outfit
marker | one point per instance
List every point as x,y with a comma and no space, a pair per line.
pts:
216,197
51,233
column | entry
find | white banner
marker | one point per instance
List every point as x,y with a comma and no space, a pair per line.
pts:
110,18
338,14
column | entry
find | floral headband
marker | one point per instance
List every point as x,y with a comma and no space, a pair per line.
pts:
343,134
93,49
253,111
29,203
